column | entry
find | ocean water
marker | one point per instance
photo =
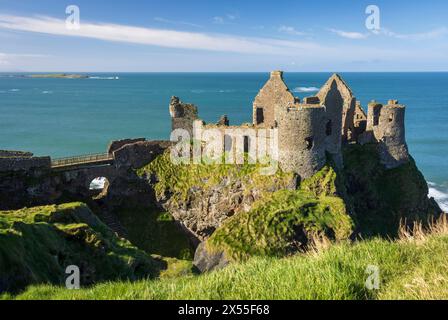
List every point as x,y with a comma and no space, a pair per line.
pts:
64,117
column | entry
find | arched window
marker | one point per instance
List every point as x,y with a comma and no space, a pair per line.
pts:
98,187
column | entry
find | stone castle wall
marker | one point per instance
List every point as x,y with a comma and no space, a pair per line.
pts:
385,124
341,120
274,92
182,115
301,139
23,162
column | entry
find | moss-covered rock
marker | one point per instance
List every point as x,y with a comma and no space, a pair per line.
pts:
37,244
381,198
281,222
203,196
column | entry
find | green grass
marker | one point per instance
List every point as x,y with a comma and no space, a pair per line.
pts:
408,269
37,244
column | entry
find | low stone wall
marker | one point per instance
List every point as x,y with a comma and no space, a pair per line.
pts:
24,163
139,154
117,144
15,154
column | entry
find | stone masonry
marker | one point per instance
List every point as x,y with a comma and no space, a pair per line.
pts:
308,131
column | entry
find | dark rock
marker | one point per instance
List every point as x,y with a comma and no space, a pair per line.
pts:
206,261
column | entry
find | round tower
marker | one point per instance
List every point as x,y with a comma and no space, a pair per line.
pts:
301,135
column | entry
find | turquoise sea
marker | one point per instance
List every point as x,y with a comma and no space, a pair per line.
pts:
64,117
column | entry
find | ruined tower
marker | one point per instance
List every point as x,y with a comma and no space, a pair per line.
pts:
182,115
337,96
274,92
301,135
385,124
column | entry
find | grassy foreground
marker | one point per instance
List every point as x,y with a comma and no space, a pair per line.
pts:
412,267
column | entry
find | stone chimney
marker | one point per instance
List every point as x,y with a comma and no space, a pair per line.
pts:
277,74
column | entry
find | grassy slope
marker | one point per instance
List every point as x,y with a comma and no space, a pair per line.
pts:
284,219
37,244
414,269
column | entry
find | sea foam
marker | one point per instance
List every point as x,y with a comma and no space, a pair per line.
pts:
440,195
306,89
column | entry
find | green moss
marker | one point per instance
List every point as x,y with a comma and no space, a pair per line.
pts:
177,180
381,198
37,244
155,232
279,223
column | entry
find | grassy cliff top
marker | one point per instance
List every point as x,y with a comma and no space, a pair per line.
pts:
37,244
413,267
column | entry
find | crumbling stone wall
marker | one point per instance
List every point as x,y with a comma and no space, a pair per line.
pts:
347,111
385,125
360,120
136,155
117,144
22,161
182,115
274,92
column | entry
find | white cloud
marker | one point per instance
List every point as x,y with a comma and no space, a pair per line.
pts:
152,36
218,20
290,30
349,34
226,19
163,20
432,34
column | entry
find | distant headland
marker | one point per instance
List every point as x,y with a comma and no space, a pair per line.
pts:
58,76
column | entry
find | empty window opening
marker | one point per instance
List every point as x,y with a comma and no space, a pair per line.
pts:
391,117
227,143
376,119
98,183
309,142
246,144
328,128
259,115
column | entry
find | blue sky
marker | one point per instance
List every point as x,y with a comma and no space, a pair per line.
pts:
223,36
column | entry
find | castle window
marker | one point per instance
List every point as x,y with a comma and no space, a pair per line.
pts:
309,142
376,119
328,128
246,144
391,117
259,115
227,143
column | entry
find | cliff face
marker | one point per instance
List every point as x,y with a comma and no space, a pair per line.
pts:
202,197
238,213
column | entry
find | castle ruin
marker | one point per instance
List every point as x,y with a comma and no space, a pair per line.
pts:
313,127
